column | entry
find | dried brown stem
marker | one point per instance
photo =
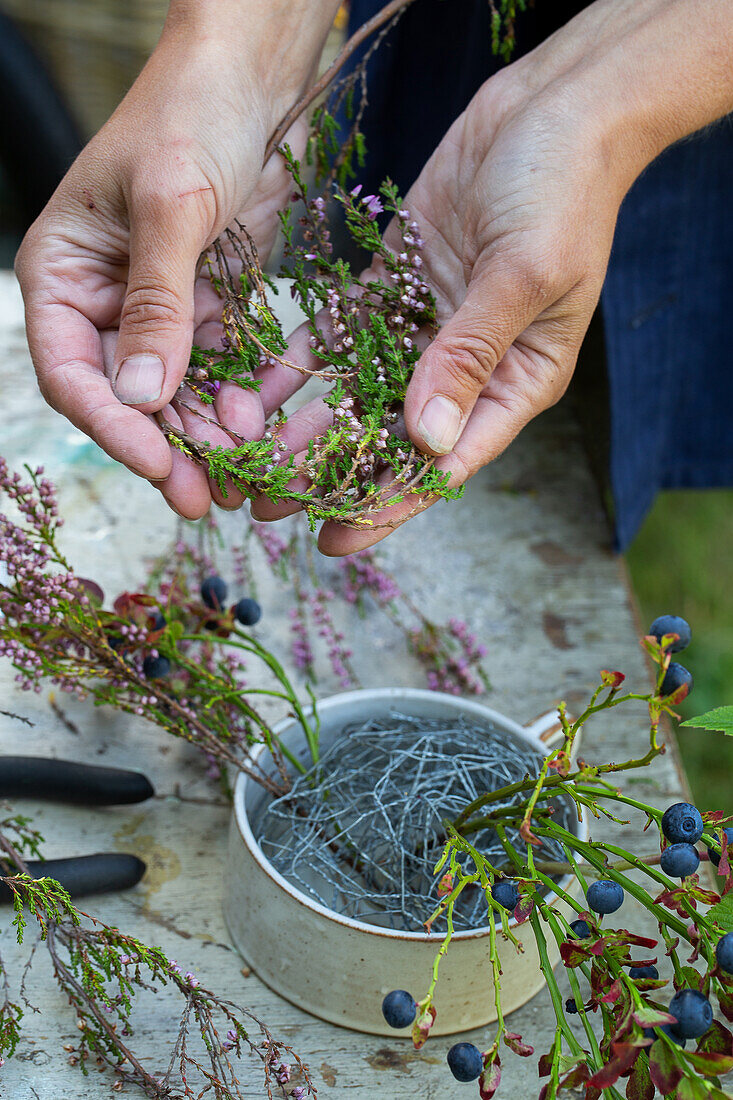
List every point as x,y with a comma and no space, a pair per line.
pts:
395,8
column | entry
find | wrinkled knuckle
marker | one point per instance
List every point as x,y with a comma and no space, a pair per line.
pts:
151,307
472,362
168,195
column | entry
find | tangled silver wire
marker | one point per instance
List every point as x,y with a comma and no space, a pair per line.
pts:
361,832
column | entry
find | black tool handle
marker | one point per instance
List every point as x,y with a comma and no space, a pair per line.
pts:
102,873
66,781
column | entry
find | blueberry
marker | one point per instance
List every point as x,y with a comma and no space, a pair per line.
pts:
248,612
214,593
505,893
159,621
115,641
570,1006
638,972
399,1008
465,1061
155,668
714,855
605,896
682,823
679,860
693,1012
580,929
672,624
724,952
651,1033
675,676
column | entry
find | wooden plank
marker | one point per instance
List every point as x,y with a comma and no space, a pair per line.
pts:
524,558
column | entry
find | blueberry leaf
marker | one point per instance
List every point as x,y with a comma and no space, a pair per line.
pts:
721,719
664,1067
639,1086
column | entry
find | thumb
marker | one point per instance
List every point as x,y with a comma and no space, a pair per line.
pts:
457,366
156,323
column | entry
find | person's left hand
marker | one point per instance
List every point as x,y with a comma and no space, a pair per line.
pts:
517,209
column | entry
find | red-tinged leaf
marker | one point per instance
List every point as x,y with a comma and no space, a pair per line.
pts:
90,589
688,977
422,1025
525,831
653,648
649,1016
613,993
708,897
663,1067
544,1066
543,1092
598,947
523,910
592,1093
489,1080
515,1043
712,1065
622,935
713,817
445,885
579,1075
672,944
623,1056
612,679
677,696
560,763
725,1000
639,1085
573,953
716,1040
133,605
692,1088
724,865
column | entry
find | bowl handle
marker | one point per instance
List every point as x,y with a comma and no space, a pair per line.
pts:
548,729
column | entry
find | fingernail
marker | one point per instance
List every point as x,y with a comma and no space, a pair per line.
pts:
139,379
440,424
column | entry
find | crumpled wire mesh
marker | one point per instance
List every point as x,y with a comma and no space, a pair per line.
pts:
362,831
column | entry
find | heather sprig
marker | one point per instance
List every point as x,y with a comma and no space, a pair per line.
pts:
102,971
54,627
364,336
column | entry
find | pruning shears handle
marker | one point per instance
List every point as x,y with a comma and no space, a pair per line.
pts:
104,872
66,781
82,785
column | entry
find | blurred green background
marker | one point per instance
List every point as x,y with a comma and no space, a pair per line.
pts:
680,563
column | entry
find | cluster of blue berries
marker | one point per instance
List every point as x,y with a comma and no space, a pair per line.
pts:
214,594
465,1061
676,675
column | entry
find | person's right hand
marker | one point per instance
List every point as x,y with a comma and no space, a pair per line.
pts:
108,270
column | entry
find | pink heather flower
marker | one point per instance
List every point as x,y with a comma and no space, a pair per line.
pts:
282,1073
356,191
374,206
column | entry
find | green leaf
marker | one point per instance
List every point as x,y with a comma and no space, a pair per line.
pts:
722,913
721,719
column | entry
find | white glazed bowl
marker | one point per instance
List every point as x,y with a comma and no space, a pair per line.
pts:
337,968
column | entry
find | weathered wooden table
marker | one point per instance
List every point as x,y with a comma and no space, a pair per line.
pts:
524,558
